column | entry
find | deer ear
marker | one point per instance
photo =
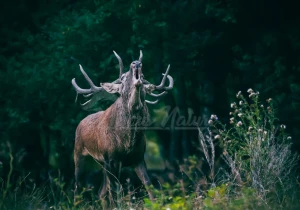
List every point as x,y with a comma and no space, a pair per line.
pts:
111,88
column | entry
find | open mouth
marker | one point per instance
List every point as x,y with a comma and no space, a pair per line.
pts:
137,73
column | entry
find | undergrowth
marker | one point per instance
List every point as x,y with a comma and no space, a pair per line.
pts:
258,171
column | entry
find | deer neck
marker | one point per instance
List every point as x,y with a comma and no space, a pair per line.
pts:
129,125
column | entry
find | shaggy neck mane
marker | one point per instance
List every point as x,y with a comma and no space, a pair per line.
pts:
122,118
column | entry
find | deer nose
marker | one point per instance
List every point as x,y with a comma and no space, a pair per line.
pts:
137,65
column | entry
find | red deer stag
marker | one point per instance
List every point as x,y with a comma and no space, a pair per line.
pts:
112,137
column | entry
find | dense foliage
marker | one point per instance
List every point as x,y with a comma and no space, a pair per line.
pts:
215,48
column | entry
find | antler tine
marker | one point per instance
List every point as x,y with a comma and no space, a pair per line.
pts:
85,103
141,56
152,102
171,81
80,90
158,95
120,63
163,80
93,87
85,92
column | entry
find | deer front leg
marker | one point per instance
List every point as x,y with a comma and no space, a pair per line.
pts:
109,184
141,172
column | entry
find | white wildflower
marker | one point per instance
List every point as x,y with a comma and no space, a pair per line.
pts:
213,117
250,90
262,106
230,113
238,94
269,100
217,136
250,128
233,105
289,138
241,103
283,126
260,130
251,95
239,124
210,122
240,114
265,132
231,119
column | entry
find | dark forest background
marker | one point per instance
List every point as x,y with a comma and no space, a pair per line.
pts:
215,49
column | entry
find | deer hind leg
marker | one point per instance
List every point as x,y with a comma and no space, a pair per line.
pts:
79,171
102,193
105,182
141,172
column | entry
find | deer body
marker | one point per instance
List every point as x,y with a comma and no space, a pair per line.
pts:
115,137
109,134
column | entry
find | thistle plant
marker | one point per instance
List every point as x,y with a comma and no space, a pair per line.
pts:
257,148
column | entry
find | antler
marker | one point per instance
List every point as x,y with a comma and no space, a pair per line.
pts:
96,93
120,63
150,87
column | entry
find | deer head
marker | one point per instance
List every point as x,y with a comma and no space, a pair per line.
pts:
131,86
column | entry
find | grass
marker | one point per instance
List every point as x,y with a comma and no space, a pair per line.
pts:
258,171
